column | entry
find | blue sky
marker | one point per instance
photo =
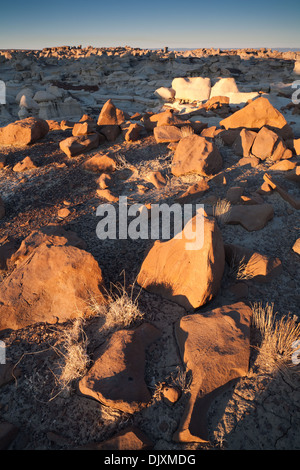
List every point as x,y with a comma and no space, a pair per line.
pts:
153,24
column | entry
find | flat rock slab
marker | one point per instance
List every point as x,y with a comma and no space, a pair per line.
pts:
77,145
117,377
163,134
215,347
100,163
251,217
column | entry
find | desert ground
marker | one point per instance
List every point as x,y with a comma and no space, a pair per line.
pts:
131,344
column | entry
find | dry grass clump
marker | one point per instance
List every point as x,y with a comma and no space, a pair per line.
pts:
186,131
120,311
221,210
72,348
279,339
239,269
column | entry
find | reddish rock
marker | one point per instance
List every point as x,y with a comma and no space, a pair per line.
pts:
255,266
216,102
215,347
116,378
296,246
164,134
229,136
133,132
264,143
234,194
195,191
251,217
283,165
24,132
196,155
157,179
107,195
111,115
63,213
243,143
184,271
53,125
164,118
51,235
265,189
209,132
257,114
65,124
25,164
100,163
296,146
110,131
104,181
84,128
281,152
53,283
252,161
76,145
268,144
170,394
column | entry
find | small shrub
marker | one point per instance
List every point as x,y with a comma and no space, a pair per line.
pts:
277,337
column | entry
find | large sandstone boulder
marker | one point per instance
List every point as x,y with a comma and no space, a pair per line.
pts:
189,277
116,378
196,155
52,281
215,347
24,132
257,114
